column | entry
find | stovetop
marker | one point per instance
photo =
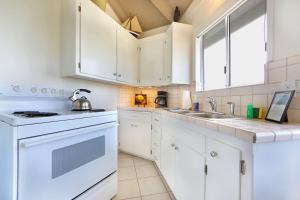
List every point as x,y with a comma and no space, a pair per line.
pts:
27,117
35,114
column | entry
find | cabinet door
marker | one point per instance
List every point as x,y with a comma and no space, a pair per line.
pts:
142,138
189,173
168,159
152,61
97,42
135,137
126,135
127,64
223,176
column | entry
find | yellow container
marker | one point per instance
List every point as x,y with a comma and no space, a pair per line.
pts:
262,113
101,4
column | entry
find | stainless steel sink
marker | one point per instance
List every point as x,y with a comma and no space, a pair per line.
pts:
210,115
180,111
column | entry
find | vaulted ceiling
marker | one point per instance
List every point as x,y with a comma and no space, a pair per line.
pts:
151,13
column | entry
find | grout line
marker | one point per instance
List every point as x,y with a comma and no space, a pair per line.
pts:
137,178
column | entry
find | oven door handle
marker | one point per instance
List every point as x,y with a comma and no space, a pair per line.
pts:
70,134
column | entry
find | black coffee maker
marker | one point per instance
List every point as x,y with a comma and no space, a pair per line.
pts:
161,99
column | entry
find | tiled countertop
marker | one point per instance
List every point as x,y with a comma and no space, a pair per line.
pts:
256,131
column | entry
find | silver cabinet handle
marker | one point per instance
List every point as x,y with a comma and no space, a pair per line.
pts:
176,148
120,75
115,74
156,120
213,154
172,145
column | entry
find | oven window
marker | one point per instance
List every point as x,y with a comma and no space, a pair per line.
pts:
72,157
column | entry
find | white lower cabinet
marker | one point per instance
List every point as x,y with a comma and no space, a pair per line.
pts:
135,133
223,175
189,173
198,167
182,167
193,161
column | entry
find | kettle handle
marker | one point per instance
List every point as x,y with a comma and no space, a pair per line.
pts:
74,95
82,90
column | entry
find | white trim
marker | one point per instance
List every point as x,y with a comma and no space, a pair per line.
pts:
270,28
222,17
269,40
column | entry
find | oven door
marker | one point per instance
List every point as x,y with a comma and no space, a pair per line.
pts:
61,166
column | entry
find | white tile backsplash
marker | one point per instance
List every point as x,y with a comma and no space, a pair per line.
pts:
277,75
293,72
277,72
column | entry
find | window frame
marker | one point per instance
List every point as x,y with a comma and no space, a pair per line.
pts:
199,50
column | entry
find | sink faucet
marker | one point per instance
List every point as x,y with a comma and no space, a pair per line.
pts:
213,104
232,105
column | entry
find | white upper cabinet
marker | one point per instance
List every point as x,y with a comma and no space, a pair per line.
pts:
152,60
97,42
178,54
94,46
166,58
127,62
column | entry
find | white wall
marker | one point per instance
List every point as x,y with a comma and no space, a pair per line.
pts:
286,28
30,50
286,31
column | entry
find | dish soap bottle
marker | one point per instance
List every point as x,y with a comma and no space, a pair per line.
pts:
250,111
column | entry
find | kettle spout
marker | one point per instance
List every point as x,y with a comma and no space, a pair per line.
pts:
73,97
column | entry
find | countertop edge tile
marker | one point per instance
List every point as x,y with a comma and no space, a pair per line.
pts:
254,131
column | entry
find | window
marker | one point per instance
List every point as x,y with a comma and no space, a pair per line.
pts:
233,52
214,46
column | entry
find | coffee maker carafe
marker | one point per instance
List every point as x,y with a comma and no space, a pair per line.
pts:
161,99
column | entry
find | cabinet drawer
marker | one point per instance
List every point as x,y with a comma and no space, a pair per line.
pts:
156,154
156,134
155,144
136,115
156,119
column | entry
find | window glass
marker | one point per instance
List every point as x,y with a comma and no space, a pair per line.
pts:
214,57
247,44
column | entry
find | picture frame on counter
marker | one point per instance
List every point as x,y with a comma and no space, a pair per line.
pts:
280,103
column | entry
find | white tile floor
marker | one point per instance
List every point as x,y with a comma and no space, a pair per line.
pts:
139,179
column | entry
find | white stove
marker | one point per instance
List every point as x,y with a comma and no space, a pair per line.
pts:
51,152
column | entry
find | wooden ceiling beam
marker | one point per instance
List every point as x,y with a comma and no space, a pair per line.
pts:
117,8
164,8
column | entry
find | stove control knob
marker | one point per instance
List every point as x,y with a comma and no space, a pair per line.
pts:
53,91
34,90
44,90
16,88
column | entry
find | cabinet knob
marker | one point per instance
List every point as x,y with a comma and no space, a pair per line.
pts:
120,75
172,145
213,154
176,148
115,74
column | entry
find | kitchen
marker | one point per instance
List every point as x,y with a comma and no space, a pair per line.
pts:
50,48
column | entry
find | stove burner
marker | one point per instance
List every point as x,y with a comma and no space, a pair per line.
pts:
32,114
